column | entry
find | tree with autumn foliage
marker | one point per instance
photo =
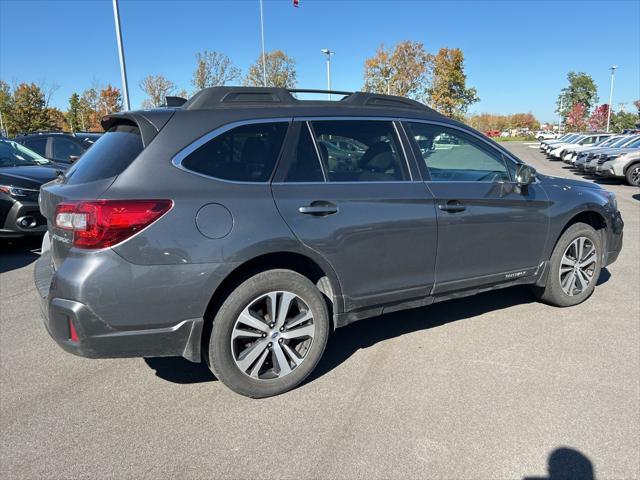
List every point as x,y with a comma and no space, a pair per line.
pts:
213,69
489,121
29,112
576,119
280,68
157,87
581,90
448,92
598,119
403,70
109,100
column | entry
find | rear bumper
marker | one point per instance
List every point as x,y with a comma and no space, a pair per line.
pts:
98,339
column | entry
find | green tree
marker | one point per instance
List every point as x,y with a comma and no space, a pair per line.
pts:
74,112
448,92
581,90
624,120
281,71
213,69
6,104
403,71
29,112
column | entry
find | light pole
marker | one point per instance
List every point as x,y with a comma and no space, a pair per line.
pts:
613,71
328,53
264,65
123,68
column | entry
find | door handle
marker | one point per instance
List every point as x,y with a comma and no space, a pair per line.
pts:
319,209
452,206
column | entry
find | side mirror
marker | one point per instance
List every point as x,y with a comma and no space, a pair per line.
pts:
525,175
73,158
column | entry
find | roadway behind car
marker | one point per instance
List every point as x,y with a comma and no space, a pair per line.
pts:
497,384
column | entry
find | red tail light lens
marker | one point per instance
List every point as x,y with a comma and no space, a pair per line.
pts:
103,223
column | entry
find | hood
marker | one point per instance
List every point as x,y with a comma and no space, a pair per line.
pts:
549,181
27,176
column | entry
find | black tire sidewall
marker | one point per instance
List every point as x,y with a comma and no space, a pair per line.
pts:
220,354
553,292
628,174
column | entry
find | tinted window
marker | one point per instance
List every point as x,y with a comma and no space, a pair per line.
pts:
246,153
109,156
63,148
305,166
38,145
453,156
360,151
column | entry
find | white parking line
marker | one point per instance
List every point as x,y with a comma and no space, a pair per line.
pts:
531,143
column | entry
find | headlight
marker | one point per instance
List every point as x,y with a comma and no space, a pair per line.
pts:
17,191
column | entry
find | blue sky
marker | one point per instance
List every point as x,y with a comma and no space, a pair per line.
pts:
517,52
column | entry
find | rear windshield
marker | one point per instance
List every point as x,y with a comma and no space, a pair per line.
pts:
109,156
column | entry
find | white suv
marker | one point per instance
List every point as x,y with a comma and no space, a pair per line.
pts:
625,164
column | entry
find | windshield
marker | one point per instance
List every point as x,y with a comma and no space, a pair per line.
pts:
577,138
634,144
605,142
622,141
629,141
13,154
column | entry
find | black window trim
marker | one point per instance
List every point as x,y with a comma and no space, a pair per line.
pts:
179,157
503,153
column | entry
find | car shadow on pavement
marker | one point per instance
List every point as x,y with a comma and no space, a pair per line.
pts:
180,370
18,253
363,334
636,196
567,464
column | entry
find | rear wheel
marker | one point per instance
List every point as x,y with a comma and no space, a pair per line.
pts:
574,267
633,175
269,334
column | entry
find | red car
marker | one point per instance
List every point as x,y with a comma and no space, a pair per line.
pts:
492,133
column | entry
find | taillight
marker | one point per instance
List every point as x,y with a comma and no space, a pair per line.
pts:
103,223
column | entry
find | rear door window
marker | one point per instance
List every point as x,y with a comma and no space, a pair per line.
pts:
63,148
109,156
360,151
247,153
38,145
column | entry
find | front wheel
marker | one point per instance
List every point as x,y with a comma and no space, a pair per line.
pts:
269,334
633,175
574,267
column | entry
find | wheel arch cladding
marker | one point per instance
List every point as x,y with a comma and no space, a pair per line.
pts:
297,262
592,218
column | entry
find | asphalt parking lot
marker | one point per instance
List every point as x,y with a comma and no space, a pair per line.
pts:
489,387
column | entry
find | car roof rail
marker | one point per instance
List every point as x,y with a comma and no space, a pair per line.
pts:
213,97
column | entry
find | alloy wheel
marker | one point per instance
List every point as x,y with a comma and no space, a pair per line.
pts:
578,266
273,335
635,175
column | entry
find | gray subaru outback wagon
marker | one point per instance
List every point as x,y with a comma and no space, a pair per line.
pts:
243,226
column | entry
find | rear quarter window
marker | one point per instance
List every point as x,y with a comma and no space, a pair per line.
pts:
109,156
247,153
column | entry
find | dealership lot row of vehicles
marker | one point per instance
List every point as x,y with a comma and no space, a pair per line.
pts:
601,154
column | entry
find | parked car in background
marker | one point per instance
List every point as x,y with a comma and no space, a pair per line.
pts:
546,135
625,165
546,143
220,229
573,140
588,161
572,153
59,147
629,147
492,133
586,140
22,172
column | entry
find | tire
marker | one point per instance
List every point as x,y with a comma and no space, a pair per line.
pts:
554,292
232,359
632,175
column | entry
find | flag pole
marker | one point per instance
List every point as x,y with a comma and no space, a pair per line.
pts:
123,68
264,65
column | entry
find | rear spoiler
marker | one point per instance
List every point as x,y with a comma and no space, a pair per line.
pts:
150,122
